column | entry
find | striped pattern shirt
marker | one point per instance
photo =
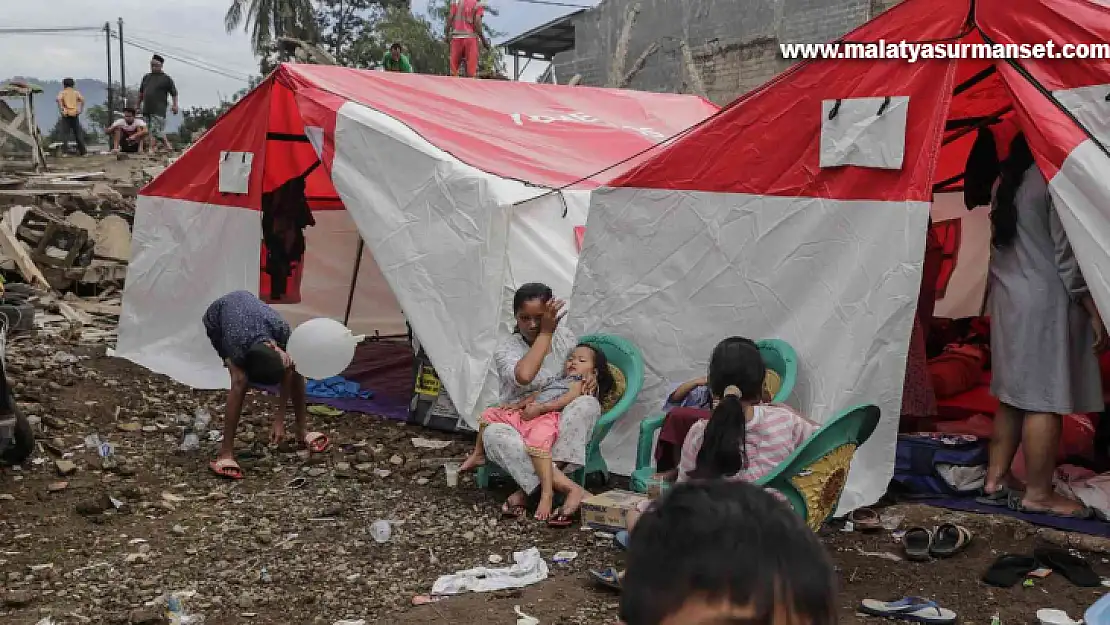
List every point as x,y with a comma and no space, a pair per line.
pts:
773,433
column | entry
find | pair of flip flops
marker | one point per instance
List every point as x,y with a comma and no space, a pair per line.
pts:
913,609
316,442
1009,569
945,541
558,519
1013,499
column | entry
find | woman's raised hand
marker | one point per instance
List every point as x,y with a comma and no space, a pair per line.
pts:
552,315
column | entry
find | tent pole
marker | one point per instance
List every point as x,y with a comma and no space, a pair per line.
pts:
354,282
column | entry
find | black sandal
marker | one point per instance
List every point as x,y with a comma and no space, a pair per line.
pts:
561,520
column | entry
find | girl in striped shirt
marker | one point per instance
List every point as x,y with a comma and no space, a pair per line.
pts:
744,439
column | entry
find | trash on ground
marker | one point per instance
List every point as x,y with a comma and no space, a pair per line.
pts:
1049,616
564,556
429,443
528,568
880,554
524,619
381,531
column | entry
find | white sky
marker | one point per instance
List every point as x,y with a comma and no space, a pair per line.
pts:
189,28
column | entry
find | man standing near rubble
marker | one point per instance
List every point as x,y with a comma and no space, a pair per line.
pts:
154,90
464,30
71,104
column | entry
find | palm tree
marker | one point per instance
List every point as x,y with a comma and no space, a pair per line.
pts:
269,19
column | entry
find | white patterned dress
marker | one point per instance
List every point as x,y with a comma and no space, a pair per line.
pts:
504,446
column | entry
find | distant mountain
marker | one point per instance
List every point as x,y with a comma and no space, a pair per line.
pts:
95,92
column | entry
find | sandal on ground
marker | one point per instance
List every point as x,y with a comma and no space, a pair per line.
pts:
562,520
1082,514
949,540
913,609
917,543
1008,570
226,467
510,511
316,442
1000,498
865,520
621,538
1075,569
609,578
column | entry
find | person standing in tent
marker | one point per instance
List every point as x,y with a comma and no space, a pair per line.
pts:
1045,337
250,338
527,359
463,30
396,61
155,88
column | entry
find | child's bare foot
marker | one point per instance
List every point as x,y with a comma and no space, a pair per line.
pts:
472,461
277,432
543,510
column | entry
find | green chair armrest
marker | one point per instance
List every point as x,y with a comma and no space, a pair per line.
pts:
648,427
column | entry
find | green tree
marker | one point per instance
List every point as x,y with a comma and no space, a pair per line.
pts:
266,20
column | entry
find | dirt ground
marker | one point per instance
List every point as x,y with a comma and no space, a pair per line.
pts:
178,528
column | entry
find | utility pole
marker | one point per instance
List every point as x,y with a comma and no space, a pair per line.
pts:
122,67
108,47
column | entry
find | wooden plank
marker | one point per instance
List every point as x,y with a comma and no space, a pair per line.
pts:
97,308
73,315
13,249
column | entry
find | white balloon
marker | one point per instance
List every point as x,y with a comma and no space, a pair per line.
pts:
321,348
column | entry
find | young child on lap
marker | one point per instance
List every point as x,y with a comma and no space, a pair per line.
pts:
537,417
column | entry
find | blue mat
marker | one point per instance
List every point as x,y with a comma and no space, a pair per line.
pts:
1091,527
336,387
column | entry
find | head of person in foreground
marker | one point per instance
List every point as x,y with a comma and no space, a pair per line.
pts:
726,553
264,364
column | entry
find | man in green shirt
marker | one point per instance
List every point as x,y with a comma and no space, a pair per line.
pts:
395,61
154,90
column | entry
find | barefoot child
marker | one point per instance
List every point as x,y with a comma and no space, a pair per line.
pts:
537,416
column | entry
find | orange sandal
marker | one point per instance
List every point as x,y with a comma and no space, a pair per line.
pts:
316,442
227,468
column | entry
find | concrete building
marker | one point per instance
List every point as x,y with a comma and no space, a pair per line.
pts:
715,48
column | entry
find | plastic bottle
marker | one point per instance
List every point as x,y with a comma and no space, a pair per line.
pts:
191,442
381,531
201,419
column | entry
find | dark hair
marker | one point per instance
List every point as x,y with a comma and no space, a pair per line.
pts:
736,361
263,365
726,541
605,381
1004,215
128,109
396,46
68,82
158,57
529,292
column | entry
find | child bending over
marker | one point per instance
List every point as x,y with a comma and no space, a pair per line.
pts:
537,417
683,562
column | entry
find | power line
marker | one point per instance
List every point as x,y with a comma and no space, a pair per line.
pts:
38,31
187,54
193,63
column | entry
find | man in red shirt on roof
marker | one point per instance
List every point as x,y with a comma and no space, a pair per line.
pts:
463,30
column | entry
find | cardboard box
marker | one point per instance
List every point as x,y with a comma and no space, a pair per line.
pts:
609,511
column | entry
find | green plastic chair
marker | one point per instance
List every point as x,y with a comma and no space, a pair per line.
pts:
625,356
778,356
812,479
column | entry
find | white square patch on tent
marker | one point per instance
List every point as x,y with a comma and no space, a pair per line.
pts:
235,172
865,132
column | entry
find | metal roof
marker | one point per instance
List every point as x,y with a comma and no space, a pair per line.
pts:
545,41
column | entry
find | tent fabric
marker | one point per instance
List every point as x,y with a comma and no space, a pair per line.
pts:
762,241
457,204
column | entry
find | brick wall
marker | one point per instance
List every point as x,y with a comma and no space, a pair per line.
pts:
732,44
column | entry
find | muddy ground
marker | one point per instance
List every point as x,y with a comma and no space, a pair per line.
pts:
178,528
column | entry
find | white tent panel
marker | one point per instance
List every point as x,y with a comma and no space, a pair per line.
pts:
329,264
172,278
838,280
968,284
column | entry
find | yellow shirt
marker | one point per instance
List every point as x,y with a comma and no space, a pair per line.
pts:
70,99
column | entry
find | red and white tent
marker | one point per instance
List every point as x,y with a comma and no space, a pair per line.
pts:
430,171
779,218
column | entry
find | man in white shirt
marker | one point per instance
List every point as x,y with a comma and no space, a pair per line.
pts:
128,133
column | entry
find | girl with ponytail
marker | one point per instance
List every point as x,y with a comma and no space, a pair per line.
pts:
744,439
